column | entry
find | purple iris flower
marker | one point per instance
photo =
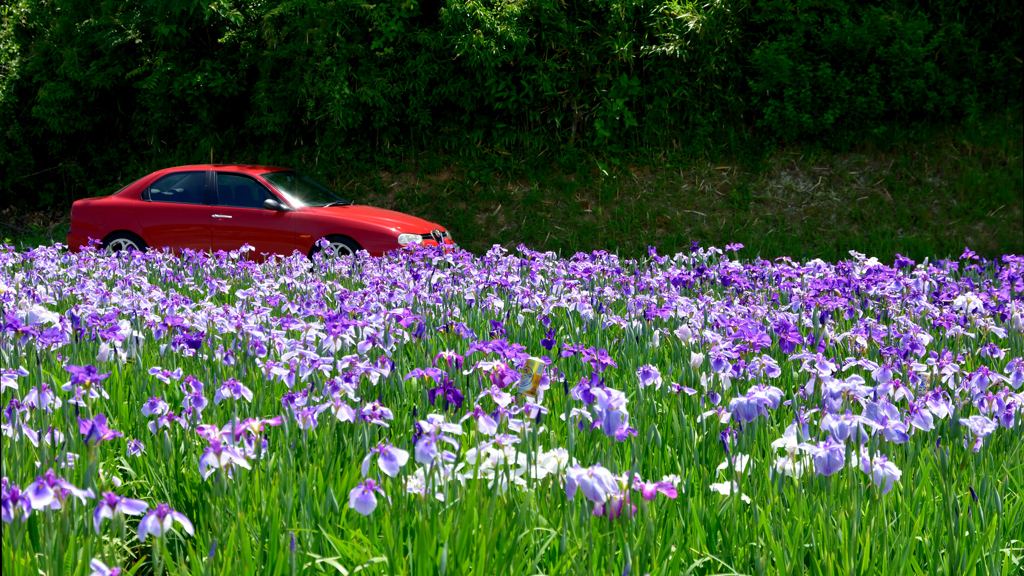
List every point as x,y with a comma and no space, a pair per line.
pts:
920,417
548,341
219,455
829,456
13,503
41,398
111,504
155,407
617,503
450,358
135,447
160,520
95,430
720,364
85,376
485,423
888,419
376,413
100,569
49,491
306,418
612,414
165,376
649,375
196,402
649,490
599,359
500,397
597,483
755,403
981,427
449,392
432,431
234,390
363,499
843,426
341,410
883,472
389,459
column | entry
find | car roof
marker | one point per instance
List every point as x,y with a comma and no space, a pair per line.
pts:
244,168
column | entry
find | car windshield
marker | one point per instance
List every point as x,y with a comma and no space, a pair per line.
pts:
302,190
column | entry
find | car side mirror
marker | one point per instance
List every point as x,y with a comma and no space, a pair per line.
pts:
271,204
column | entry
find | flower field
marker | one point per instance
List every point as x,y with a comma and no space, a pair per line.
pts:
513,413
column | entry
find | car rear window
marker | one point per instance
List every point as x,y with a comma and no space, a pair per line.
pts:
179,188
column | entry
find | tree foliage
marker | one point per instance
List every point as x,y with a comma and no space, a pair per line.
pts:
93,92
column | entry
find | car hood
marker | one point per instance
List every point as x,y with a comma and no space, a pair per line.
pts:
388,218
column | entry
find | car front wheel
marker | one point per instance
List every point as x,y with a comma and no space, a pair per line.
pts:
338,246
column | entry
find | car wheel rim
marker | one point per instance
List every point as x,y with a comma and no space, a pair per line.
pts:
339,249
120,245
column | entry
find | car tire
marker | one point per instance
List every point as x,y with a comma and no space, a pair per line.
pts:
339,245
123,241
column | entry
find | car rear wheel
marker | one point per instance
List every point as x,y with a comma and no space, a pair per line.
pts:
123,242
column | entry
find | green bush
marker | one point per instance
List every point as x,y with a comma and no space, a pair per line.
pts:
95,93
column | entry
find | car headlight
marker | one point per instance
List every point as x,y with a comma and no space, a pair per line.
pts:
406,239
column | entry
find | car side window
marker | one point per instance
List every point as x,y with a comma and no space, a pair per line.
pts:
179,187
240,191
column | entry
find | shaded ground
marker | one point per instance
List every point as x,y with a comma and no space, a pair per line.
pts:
946,190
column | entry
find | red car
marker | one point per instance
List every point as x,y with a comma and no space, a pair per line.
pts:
222,207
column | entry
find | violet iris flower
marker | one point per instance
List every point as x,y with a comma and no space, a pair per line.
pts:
376,413
548,341
49,491
500,397
597,483
485,423
100,569
95,430
165,376
649,490
617,502
111,504
755,403
13,503
306,418
843,426
155,407
219,455
649,375
390,459
41,398
85,376
434,430
611,410
980,427
599,359
888,419
135,447
449,392
829,456
234,390
883,472
9,379
363,499
160,520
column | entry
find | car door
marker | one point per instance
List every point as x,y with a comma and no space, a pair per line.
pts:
240,218
175,211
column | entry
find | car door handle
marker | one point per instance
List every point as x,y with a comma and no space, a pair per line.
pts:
221,216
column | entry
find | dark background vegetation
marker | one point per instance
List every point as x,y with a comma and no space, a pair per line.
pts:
797,127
